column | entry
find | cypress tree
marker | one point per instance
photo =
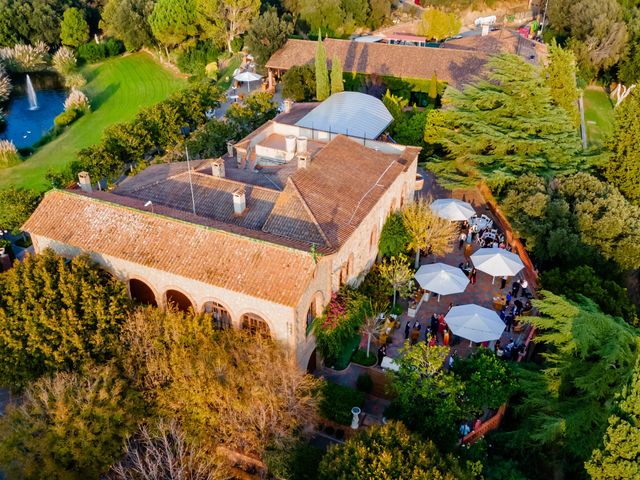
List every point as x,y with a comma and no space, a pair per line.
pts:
337,82
561,80
433,89
322,74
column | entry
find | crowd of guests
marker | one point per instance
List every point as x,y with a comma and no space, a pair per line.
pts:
436,332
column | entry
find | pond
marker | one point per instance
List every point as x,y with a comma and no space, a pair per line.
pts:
25,126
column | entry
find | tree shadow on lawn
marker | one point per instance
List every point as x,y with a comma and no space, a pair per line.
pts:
104,95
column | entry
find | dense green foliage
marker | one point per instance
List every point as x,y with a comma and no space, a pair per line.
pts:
573,220
173,21
340,320
597,31
256,109
211,140
338,17
622,169
16,205
156,128
565,405
322,74
57,316
337,402
31,21
127,20
337,80
502,127
619,458
70,426
488,381
267,34
389,452
428,399
96,52
74,30
561,80
299,83
582,280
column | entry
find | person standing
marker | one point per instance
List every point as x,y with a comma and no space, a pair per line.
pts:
508,320
446,338
407,329
524,284
434,324
473,275
468,250
515,288
382,352
463,237
503,282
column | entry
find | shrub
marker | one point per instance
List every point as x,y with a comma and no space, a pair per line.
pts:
77,101
64,61
338,401
237,44
5,85
195,59
92,52
25,58
75,80
67,118
299,83
364,382
361,358
8,154
113,47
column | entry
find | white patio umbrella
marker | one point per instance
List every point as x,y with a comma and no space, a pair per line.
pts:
442,279
452,209
497,262
475,323
247,77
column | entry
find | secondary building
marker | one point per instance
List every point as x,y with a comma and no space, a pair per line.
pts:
259,238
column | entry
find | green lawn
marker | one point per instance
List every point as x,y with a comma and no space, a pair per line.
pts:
118,88
598,115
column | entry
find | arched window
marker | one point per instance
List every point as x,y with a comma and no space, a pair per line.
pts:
141,292
255,324
315,310
221,317
178,300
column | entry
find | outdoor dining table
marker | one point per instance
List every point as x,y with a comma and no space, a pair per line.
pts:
499,302
479,223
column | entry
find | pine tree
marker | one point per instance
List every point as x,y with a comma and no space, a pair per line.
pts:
503,126
337,82
588,357
619,458
623,167
433,88
322,75
561,80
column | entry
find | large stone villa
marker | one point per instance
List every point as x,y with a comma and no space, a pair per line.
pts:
261,237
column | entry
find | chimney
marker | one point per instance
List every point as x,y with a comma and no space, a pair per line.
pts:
85,182
303,160
217,168
239,201
230,148
485,30
301,145
287,105
290,146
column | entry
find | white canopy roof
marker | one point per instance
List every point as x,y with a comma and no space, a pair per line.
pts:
350,113
247,77
441,278
452,209
497,262
475,323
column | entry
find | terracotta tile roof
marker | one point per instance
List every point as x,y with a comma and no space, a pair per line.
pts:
499,41
291,218
213,196
456,67
234,262
343,183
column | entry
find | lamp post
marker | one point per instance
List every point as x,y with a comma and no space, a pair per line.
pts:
185,133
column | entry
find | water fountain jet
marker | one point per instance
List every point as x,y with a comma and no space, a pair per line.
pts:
31,93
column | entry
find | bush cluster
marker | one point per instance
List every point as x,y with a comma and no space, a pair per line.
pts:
96,52
194,59
337,402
